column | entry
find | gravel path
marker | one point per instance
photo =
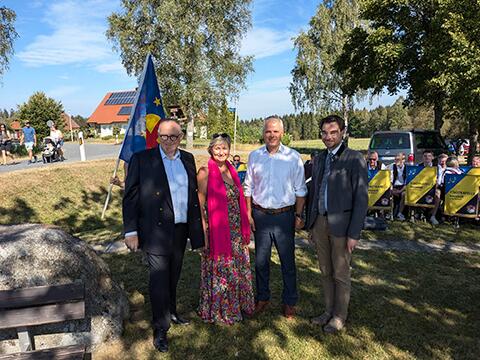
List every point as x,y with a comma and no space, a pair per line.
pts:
390,245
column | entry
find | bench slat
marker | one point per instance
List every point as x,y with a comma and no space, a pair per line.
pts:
39,315
41,295
72,352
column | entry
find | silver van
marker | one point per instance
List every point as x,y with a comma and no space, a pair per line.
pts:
413,143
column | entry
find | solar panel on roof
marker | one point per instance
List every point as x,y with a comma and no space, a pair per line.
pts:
125,110
119,98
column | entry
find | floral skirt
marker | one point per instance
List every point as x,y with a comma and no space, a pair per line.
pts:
226,289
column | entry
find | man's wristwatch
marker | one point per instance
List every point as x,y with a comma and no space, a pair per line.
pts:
298,216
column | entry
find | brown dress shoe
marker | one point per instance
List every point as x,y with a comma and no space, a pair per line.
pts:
288,311
260,306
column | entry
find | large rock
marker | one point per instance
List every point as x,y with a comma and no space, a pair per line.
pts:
36,255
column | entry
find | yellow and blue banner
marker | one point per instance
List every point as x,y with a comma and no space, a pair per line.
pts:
147,111
379,189
470,170
420,189
462,194
242,172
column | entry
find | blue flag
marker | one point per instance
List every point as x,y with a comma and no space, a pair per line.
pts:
146,114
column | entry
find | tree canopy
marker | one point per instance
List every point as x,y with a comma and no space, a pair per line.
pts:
38,110
316,84
195,46
7,36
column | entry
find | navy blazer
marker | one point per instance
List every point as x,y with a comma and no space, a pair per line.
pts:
347,192
148,207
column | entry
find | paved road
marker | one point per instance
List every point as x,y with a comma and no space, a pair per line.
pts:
72,154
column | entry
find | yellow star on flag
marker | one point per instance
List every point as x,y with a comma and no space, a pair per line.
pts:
157,101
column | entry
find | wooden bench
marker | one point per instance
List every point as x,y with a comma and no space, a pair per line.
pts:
22,309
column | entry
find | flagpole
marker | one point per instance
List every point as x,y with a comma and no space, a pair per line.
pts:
137,97
235,130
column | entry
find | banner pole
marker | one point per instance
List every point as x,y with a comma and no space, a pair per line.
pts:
132,113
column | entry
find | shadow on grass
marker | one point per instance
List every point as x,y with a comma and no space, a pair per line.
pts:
70,214
403,306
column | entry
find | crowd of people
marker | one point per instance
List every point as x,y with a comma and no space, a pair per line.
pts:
167,201
28,138
444,164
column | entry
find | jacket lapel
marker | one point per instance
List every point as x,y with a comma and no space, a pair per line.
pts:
161,176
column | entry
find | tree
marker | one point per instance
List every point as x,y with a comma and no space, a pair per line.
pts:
195,46
398,51
317,84
7,37
38,110
458,65
220,121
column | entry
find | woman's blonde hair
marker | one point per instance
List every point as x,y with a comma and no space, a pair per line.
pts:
219,139
453,162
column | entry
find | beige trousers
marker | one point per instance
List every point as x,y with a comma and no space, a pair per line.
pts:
334,260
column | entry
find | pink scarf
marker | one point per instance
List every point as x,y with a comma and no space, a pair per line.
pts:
218,227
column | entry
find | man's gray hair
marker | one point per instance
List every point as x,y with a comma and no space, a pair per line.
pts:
274,118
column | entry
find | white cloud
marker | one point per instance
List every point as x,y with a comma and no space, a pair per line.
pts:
115,67
264,42
78,35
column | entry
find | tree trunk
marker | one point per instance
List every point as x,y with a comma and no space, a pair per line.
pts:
190,128
473,126
345,117
438,115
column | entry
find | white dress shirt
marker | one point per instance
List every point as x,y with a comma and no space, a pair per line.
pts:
275,180
178,184
333,153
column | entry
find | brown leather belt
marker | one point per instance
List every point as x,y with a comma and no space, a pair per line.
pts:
274,211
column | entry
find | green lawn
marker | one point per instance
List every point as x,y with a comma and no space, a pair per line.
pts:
404,305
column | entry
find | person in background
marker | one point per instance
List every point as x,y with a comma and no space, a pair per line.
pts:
240,166
399,180
427,159
29,139
373,163
476,161
57,136
453,166
440,188
5,144
226,289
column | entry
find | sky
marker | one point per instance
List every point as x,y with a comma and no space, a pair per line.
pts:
62,50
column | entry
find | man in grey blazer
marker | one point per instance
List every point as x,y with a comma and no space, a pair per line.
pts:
337,206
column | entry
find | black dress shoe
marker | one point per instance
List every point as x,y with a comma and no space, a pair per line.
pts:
176,319
160,341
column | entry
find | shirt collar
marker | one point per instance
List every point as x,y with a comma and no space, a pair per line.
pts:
334,151
281,149
164,156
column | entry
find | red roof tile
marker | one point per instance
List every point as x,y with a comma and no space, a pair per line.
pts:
108,114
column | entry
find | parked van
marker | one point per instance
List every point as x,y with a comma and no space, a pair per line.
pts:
413,143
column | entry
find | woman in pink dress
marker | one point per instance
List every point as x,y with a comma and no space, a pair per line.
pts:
226,292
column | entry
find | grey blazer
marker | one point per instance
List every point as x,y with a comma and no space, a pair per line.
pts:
347,192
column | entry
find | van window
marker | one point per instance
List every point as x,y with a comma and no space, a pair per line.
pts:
428,140
390,141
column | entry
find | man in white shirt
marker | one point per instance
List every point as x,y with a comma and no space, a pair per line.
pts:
275,191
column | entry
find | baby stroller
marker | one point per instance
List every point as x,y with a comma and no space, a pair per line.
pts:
50,151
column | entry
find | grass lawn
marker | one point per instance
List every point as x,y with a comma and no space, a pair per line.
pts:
404,305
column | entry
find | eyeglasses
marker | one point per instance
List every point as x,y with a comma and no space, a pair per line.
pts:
223,135
170,137
372,159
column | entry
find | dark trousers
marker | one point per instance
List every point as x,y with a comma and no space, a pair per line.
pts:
164,275
278,229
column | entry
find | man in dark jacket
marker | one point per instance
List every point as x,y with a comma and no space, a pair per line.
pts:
337,206
160,211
